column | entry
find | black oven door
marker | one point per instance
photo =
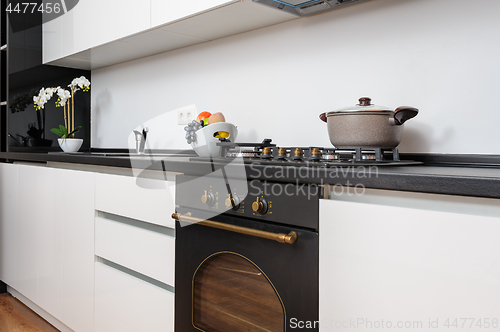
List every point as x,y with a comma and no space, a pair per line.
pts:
229,282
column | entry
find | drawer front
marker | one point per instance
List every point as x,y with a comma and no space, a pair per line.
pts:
149,200
125,303
142,247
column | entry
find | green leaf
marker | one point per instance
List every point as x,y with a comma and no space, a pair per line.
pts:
64,130
56,131
74,131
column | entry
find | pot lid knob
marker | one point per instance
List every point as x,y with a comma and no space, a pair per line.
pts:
365,101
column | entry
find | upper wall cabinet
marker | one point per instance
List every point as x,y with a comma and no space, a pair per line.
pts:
99,33
168,11
92,23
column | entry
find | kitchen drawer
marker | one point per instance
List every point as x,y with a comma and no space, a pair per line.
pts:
142,247
149,200
126,303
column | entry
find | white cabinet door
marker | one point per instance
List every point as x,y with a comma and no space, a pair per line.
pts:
148,200
125,303
92,23
49,251
166,11
52,40
131,18
408,262
27,231
78,246
8,224
142,247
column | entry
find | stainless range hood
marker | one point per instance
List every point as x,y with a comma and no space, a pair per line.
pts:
306,7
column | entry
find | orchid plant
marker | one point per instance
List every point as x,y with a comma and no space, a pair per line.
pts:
68,130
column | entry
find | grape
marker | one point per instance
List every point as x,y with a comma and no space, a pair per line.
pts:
191,129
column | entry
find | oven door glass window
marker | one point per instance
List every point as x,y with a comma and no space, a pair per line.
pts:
230,293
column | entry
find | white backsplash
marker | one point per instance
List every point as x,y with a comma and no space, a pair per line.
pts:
441,56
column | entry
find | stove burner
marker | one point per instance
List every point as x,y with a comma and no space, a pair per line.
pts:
311,156
368,156
315,154
242,153
331,156
298,153
282,154
266,153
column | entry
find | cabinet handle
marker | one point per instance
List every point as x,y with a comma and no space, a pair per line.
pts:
289,238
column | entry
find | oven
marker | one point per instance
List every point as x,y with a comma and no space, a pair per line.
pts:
246,262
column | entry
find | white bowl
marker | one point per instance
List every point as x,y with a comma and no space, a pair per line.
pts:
70,144
206,144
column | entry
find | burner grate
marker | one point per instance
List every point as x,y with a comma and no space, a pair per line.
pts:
269,153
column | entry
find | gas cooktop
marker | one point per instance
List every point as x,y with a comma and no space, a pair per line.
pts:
269,154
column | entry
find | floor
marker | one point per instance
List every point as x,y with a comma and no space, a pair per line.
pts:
16,317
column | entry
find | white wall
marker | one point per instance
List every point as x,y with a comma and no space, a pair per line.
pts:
441,56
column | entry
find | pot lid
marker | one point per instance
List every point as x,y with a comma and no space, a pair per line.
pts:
364,105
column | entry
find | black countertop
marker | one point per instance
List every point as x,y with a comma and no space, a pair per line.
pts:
426,177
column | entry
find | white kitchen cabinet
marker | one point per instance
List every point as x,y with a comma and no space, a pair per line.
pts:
78,246
27,231
132,18
50,237
49,246
52,40
99,33
92,23
408,258
97,22
55,242
168,11
148,200
142,247
8,223
127,303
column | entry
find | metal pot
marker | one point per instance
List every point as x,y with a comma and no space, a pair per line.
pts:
366,125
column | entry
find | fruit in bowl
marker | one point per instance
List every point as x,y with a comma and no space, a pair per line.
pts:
203,116
221,134
207,139
216,117
206,120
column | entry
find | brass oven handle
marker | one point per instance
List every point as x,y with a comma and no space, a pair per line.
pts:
289,238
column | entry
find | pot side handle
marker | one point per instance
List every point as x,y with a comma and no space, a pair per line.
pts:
322,116
404,113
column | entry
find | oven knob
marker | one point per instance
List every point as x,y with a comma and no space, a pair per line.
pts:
232,202
260,206
208,198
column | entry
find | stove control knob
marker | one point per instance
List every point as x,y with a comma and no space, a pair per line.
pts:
232,202
260,206
208,198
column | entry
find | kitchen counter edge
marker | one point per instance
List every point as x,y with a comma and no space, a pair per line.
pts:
463,181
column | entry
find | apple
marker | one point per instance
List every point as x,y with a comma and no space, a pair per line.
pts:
203,116
216,117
